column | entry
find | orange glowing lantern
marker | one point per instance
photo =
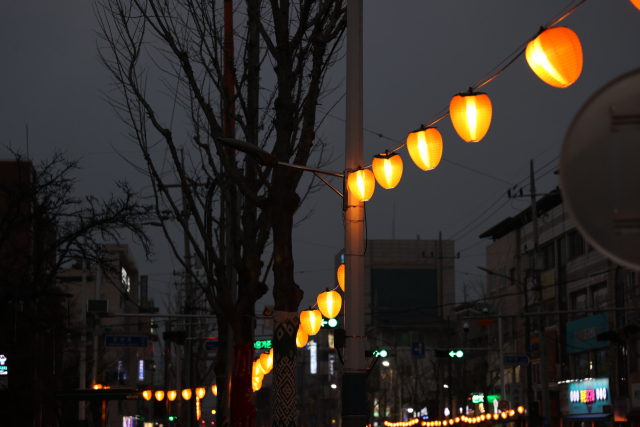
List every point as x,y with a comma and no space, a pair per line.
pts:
512,412
556,56
214,389
445,423
387,169
256,372
301,338
636,3
471,115
147,394
311,320
521,408
172,394
159,395
329,303
186,394
503,415
496,416
266,362
256,384
341,273
97,387
361,185
200,392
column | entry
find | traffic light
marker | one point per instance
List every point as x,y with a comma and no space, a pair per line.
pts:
456,353
609,336
328,323
173,418
376,353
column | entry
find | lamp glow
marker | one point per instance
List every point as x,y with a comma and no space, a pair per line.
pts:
521,408
341,273
266,362
556,56
147,394
301,338
387,169
636,3
361,184
311,321
200,392
159,395
512,412
186,394
329,303
503,415
171,395
256,371
214,389
471,115
425,148
496,416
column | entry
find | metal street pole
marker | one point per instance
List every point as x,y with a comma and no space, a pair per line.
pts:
96,324
354,404
502,389
83,339
544,373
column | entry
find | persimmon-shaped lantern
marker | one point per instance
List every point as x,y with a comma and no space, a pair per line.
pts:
256,384
214,389
556,56
636,3
257,370
362,184
425,148
200,392
266,362
171,395
341,273
329,303
159,395
471,115
496,416
301,338
147,394
186,394
457,420
311,320
387,169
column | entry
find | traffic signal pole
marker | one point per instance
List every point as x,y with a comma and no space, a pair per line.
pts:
354,406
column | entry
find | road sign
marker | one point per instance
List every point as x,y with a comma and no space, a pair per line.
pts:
125,341
211,345
503,405
417,350
517,360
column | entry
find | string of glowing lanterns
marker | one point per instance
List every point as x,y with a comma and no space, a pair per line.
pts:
453,421
554,55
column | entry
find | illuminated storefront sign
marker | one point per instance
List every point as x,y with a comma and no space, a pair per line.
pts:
589,396
313,362
140,370
4,370
477,398
258,345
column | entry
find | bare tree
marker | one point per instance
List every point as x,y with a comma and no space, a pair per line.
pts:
182,47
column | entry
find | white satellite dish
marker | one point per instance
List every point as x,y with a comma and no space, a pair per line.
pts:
600,170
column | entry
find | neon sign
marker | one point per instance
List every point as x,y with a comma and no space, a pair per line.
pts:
588,396
4,370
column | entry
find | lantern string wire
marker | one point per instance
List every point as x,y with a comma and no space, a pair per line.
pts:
485,79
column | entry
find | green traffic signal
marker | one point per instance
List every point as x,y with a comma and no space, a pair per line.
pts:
459,353
380,353
172,418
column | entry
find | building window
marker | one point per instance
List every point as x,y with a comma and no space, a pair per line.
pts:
576,245
600,296
579,302
548,256
581,365
502,277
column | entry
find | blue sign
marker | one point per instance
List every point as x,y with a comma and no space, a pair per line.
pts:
417,350
589,396
211,345
125,341
519,360
582,333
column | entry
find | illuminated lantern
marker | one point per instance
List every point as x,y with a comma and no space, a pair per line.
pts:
301,338
186,394
503,415
457,420
512,413
556,56
329,303
171,395
341,271
256,384
214,389
636,3
200,392
97,387
471,115
496,416
425,148
159,395
311,320
147,394
257,370
444,423
266,362
387,168
361,184
521,408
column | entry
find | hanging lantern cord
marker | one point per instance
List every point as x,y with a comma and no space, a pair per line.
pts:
552,22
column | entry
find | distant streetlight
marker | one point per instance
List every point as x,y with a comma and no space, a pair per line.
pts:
334,386
446,386
410,410
385,363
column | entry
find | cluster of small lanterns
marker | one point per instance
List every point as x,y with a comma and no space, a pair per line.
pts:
329,304
555,56
172,394
468,420
261,367
402,423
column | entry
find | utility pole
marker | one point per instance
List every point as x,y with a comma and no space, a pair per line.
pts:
188,293
83,338
96,324
167,369
354,403
544,375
